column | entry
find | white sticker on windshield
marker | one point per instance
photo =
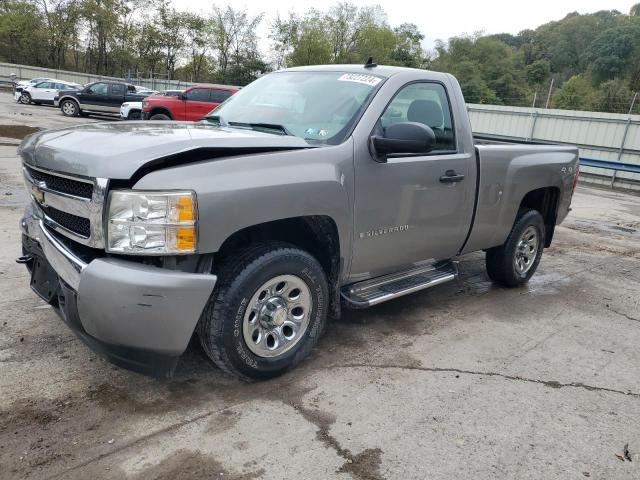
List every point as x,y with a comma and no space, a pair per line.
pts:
360,78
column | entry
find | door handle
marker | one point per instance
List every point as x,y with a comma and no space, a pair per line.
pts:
451,177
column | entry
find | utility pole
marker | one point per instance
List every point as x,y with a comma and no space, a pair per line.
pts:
549,96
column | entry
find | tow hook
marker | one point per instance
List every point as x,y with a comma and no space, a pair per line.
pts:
24,259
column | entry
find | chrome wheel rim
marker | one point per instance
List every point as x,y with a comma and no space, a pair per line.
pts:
277,316
526,250
25,99
68,108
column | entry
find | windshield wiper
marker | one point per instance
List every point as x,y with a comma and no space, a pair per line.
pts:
261,126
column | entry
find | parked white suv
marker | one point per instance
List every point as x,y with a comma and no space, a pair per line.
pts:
43,92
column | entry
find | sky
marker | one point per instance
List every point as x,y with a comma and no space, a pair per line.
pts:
436,19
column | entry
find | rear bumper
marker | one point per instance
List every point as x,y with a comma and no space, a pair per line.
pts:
137,316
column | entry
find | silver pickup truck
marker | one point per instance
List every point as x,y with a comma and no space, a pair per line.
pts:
312,189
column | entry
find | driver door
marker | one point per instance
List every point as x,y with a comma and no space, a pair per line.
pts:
405,212
197,104
95,97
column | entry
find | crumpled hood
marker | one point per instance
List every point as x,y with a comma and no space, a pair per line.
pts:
118,150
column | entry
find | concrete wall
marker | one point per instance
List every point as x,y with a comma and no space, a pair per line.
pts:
601,136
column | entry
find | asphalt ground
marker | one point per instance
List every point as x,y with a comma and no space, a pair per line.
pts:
463,381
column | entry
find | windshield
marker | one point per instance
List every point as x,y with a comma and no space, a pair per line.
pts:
320,107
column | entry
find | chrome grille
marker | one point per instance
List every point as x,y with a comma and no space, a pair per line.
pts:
73,223
62,184
72,206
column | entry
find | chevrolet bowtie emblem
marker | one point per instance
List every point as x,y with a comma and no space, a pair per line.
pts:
37,194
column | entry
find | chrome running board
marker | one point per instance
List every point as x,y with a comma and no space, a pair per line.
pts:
380,289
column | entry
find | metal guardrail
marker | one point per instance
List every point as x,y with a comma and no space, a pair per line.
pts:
609,165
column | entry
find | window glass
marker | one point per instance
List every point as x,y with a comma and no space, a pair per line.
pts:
100,88
117,89
44,85
425,103
219,96
131,88
198,95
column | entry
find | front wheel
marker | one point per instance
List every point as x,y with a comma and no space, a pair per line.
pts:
266,313
160,116
134,115
514,263
25,98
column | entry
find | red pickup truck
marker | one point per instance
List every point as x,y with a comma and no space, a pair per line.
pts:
193,104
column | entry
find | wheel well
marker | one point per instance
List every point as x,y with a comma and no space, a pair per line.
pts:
316,234
162,110
69,98
545,201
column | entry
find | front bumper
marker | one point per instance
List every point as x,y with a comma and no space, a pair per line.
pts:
137,316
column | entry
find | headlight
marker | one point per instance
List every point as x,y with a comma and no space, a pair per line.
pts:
151,223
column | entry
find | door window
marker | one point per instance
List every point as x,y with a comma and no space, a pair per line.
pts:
425,103
44,85
117,89
99,88
219,96
198,95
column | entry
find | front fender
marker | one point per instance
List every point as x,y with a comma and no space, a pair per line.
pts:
234,193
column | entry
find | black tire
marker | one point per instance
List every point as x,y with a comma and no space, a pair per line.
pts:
239,278
134,115
25,98
159,116
69,108
501,261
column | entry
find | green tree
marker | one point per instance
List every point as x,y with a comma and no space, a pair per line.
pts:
611,52
613,96
575,94
538,72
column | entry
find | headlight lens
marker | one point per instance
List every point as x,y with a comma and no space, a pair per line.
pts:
151,223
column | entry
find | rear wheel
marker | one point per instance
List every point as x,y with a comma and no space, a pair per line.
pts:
266,313
160,116
515,262
69,108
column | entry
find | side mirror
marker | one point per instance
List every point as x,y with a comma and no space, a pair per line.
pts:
183,96
404,137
